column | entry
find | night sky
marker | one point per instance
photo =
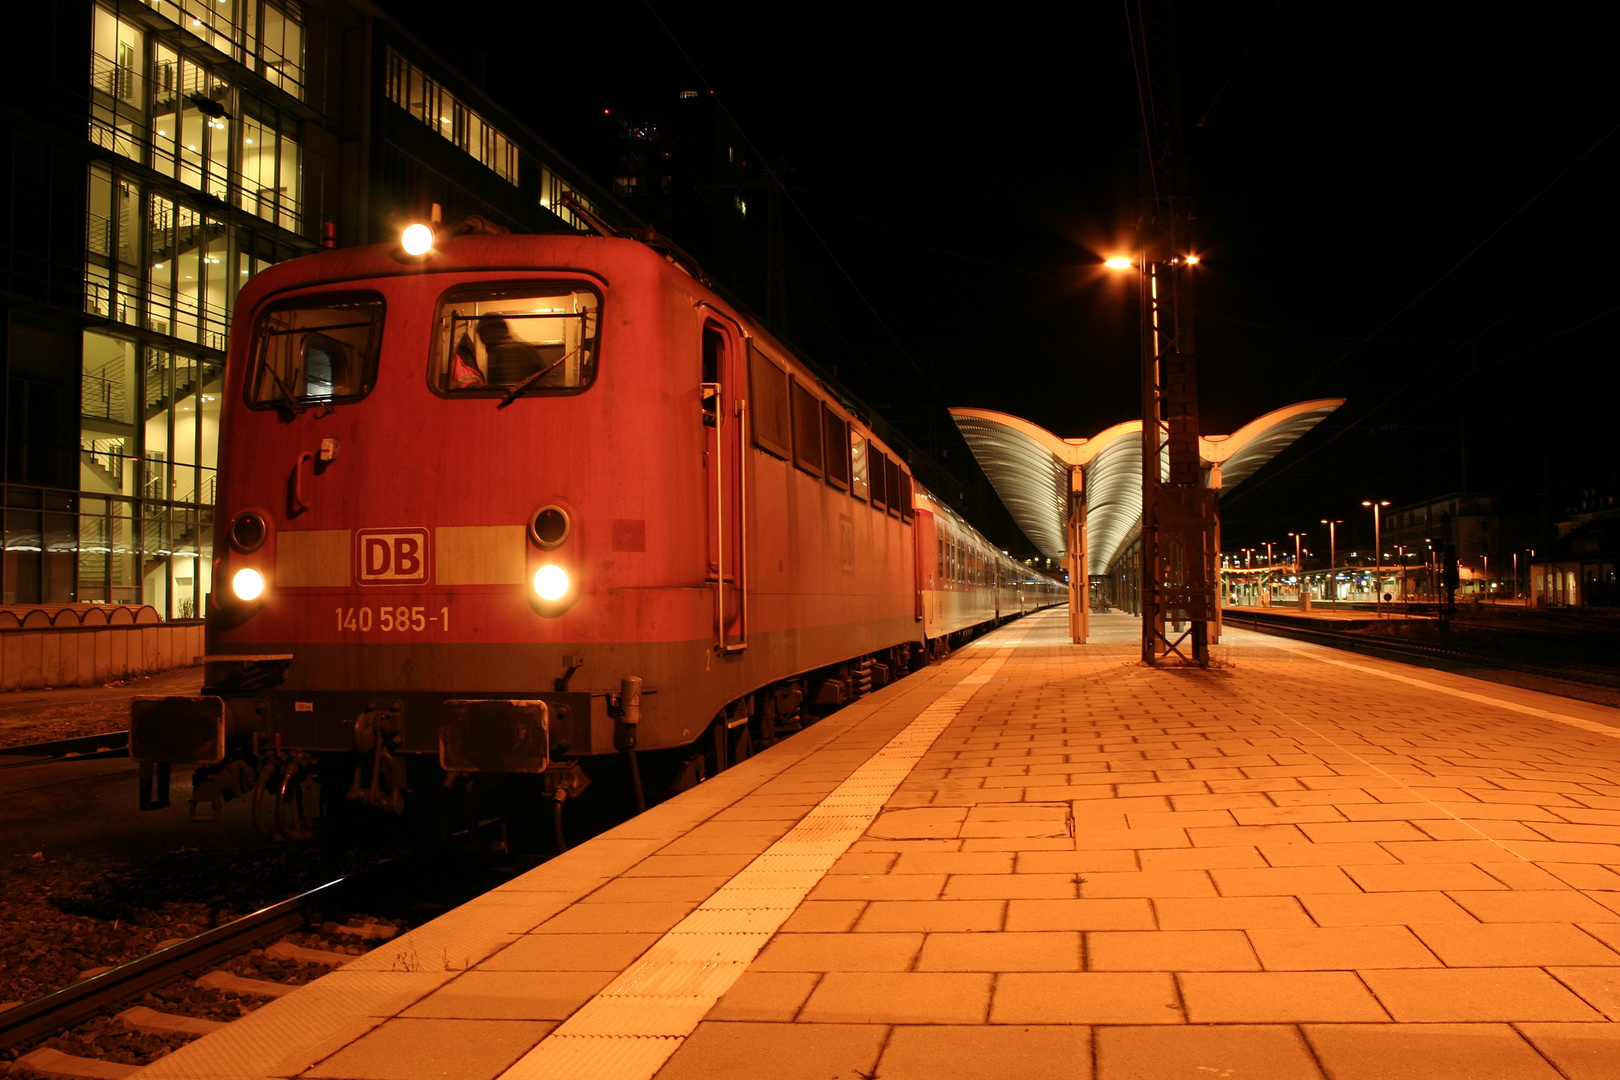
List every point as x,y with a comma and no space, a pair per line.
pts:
1411,209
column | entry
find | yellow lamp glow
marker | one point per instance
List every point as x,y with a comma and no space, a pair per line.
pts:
1118,262
248,584
551,582
416,239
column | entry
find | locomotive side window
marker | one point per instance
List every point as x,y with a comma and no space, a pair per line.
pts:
521,338
835,433
905,495
714,348
316,351
806,429
880,494
859,465
769,386
891,484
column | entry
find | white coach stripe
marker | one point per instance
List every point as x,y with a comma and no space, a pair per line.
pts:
631,1028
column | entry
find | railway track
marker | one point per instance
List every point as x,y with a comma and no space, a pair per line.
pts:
1429,653
110,744
37,1023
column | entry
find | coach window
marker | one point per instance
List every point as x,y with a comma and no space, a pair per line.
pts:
806,429
769,386
503,340
316,350
859,452
835,431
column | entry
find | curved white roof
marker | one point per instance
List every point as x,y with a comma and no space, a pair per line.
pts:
1029,467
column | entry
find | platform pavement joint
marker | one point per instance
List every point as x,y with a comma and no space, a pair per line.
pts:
1291,865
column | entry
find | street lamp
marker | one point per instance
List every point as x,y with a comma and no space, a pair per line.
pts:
1299,567
1378,555
1333,558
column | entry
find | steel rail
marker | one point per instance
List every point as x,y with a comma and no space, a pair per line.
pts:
70,1005
108,744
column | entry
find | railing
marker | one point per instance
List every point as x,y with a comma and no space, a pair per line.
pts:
102,395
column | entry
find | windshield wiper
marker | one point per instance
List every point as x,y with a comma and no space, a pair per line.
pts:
287,394
507,398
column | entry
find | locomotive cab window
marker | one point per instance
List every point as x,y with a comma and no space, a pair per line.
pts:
497,340
316,350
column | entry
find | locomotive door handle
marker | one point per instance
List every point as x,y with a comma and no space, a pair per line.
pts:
296,495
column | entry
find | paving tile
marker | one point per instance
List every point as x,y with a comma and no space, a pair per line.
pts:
776,1051
839,952
1340,948
1426,1052
1200,858
1085,998
1077,862
1361,854
1581,1051
1348,832
1384,909
765,996
654,889
899,997
1056,950
878,887
689,866
569,952
932,916
1452,829
1148,883
1522,945
1523,875
1278,997
1598,986
824,917
1476,995
609,918
1131,913
1169,950
1280,815
1546,906
1605,931
1283,881
425,1049
949,862
511,995
1427,877
1230,913
944,1052
1231,1052
1247,836
1010,886
866,862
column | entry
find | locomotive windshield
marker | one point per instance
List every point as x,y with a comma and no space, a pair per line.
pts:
522,338
316,351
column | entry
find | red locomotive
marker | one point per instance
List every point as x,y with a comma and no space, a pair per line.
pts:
517,502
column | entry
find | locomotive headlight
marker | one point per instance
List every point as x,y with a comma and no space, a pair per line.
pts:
551,582
247,584
417,239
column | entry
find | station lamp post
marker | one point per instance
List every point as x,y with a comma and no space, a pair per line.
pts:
1333,558
1378,554
1299,565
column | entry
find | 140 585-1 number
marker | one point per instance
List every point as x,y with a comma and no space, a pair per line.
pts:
391,619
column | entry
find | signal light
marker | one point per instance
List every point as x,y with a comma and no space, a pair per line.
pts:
247,584
417,240
551,582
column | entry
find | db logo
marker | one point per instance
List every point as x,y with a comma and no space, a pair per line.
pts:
391,556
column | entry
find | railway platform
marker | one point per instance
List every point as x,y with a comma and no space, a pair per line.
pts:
1037,860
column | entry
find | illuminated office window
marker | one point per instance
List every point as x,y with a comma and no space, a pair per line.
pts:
413,90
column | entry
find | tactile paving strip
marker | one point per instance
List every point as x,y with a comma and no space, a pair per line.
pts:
630,1029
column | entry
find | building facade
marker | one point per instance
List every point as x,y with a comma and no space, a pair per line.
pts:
161,153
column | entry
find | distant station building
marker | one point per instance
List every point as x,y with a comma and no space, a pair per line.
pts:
1581,568
159,153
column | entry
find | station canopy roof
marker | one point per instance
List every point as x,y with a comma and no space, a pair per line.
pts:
1029,467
